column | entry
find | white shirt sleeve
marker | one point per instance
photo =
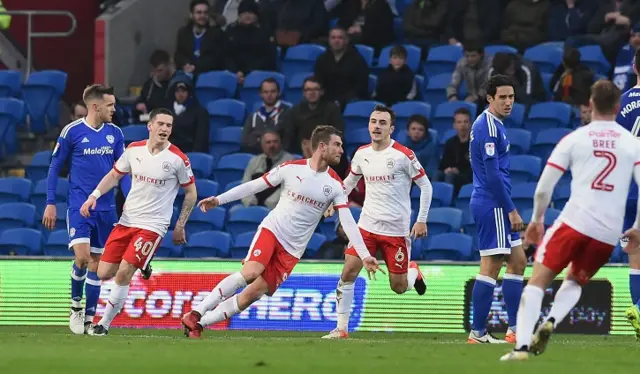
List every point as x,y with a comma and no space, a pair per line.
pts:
413,167
426,193
550,177
275,176
184,172
340,198
123,165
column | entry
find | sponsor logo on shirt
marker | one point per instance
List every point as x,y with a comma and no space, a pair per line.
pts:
149,180
98,151
379,178
305,199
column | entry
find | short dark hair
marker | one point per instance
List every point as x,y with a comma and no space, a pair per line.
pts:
270,80
398,51
271,131
312,79
605,96
474,46
339,28
386,109
96,92
571,57
157,111
419,118
502,61
322,134
195,3
462,110
496,81
159,57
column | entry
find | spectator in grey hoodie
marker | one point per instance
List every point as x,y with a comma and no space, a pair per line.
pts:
473,69
267,117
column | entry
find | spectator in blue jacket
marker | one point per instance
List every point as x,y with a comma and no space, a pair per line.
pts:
420,141
569,18
623,75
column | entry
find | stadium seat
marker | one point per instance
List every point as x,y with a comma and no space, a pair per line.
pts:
39,166
491,50
211,220
592,57
356,115
42,92
10,81
226,140
548,115
448,246
225,112
419,86
242,244
166,248
519,140
355,212
245,219
468,225
546,141
406,109
373,83
516,119
14,189
229,186
398,29
250,91
201,164
16,215
367,53
39,195
316,241
294,88
356,139
301,58
12,111
134,133
205,188
443,220
207,244
21,241
327,227
443,116
61,218
442,59
464,197
550,216
561,195
215,85
58,244
174,218
413,57
547,57
442,195
525,168
231,167
522,195
435,93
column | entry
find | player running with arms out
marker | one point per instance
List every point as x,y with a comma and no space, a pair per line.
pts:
91,144
158,169
497,220
388,169
308,187
602,157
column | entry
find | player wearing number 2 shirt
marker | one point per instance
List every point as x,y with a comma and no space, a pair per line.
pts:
602,157
307,189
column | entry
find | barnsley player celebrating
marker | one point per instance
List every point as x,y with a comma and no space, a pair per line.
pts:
93,143
602,157
492,207
158,169
388,168
308,187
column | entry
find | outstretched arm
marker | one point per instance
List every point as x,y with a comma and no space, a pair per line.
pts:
246,189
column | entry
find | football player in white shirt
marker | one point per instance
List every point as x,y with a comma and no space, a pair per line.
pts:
158,170
603,157
307,188
388,169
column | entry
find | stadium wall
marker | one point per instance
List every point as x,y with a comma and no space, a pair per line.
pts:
125,39
36,292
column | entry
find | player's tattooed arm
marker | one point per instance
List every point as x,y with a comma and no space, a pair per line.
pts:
190,197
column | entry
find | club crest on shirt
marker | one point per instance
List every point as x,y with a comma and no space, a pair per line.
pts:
110,139
72,232
390,163
490,149
166,166
326,189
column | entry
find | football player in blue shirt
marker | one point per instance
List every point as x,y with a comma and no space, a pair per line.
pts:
497,220
92,145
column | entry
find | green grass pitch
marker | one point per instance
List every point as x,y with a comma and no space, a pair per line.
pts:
55,350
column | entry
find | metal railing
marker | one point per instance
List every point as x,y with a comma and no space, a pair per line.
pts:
31,34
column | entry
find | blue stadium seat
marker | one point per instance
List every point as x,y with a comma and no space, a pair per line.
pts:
548,115
10,81
14,190
546,140
435,92
448,246
356,115
356,139
443,116
413,57
443,220
201,164
17,215
516,119
355,212
442,59
561,195
211,220
373,83
419,86
301,58
550,216
207,244
39,166
226,140
316,241
206,188
468,225
547,57
294,88
406,109
491,50
522,195
225,112
58,244
250,91
592,56
231,167
229,186
12,111
398,29
174,217
442,195
367,53
61,218
21,241
520,141
464,197
242,244
245,219
39,195
327,227
167,249
215,85
525,168
42,92
134,133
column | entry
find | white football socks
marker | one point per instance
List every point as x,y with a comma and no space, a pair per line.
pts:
117,298
344,299
528,315
223,311
412,275
566,298
227,287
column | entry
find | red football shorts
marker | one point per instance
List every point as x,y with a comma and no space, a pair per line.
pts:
563,246
136,246
277,262
395,250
